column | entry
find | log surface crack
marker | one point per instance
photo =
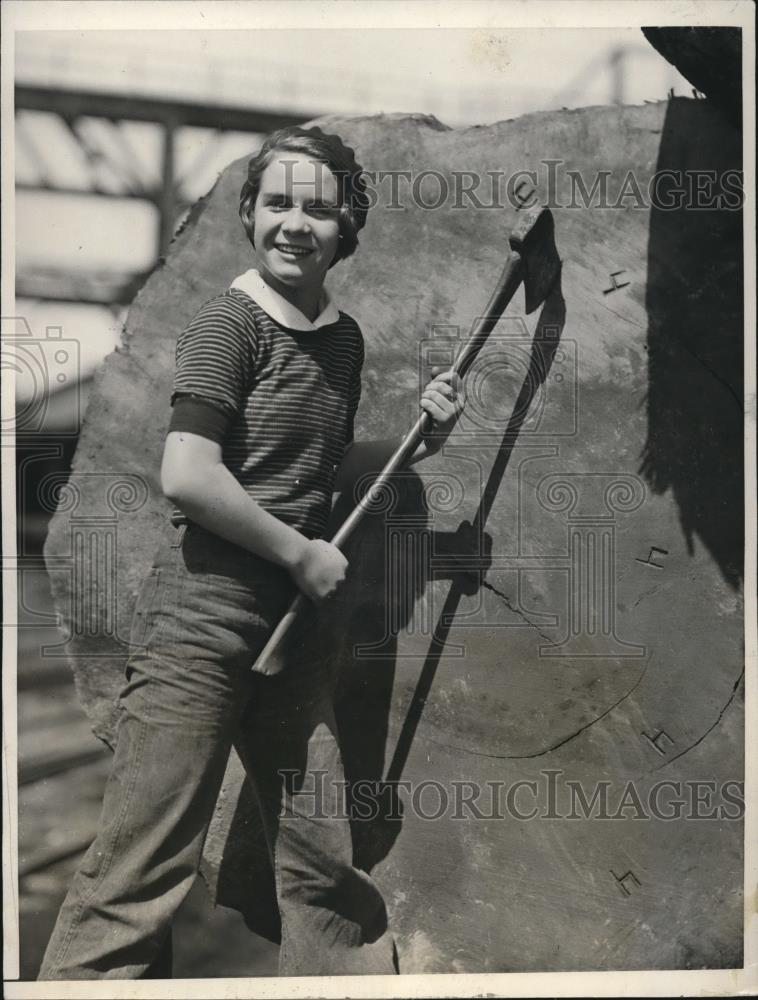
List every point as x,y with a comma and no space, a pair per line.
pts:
712,371
710,728
554,746
517,611
627,319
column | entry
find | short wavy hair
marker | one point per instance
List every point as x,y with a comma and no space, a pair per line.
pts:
325,148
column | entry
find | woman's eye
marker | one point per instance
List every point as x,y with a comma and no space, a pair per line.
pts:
317,211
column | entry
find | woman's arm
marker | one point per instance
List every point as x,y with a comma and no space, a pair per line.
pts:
194,477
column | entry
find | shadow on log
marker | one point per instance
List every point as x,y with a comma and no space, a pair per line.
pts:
695,303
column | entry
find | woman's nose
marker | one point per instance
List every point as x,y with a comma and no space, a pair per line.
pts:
295,221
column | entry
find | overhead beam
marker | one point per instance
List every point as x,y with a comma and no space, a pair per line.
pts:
128,107
152,196
95,288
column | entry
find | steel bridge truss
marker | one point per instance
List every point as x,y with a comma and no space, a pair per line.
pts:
113,170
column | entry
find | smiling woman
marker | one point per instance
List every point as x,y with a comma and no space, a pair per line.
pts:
293,144
267,383
296,231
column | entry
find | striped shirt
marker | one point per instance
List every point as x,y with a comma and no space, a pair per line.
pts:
289,396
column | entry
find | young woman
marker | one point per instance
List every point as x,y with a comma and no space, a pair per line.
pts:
266,388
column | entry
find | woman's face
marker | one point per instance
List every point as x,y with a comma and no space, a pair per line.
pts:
296,228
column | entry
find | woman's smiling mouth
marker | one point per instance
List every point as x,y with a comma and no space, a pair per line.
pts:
290,250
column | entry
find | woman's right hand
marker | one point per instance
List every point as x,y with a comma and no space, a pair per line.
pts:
320,569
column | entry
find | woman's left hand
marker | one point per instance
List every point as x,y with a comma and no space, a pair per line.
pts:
441,400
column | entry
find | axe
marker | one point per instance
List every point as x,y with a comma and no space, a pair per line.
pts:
533,260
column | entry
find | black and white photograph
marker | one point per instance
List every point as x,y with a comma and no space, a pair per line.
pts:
378,499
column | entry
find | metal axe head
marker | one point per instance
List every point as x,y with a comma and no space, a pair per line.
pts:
533,239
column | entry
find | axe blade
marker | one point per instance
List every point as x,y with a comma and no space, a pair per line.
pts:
533,239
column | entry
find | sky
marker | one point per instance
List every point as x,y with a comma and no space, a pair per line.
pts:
510,71
463,76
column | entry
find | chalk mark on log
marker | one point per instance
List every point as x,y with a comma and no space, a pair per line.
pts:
710,728
520,613
647,593
628,319
555,746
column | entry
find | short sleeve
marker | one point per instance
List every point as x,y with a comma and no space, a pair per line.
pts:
354,392
215,355
193,415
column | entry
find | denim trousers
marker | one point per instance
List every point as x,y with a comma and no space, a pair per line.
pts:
204,611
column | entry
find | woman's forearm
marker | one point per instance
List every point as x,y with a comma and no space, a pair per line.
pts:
214,499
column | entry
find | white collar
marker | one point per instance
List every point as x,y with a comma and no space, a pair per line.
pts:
279,308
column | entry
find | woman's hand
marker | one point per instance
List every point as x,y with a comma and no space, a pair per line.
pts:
320,569
442,402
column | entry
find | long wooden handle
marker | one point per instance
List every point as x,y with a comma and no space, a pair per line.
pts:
510,279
